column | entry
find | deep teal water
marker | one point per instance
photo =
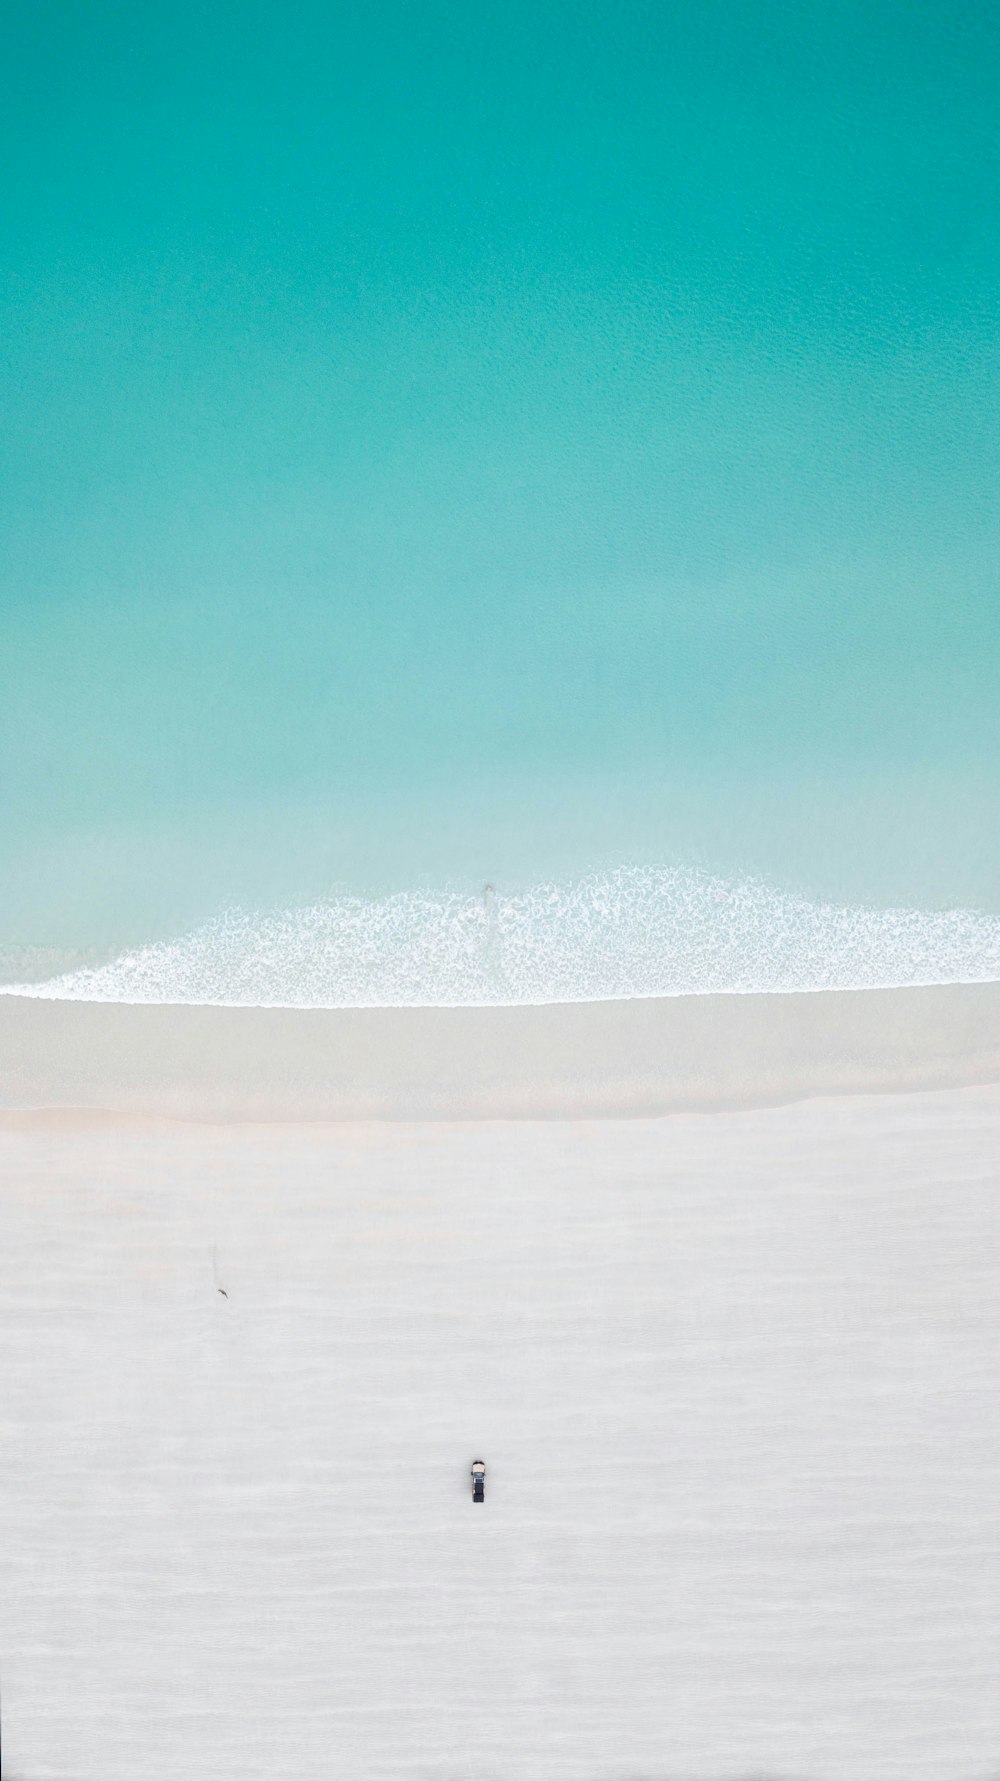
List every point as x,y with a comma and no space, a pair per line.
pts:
448,445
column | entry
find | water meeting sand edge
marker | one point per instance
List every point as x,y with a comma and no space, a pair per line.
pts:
638,1057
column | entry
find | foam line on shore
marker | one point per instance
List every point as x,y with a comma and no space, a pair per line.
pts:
633,932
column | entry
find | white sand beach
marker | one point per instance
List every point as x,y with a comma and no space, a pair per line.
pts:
568,1060
734,1376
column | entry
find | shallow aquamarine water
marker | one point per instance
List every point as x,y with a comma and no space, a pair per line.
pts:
451,447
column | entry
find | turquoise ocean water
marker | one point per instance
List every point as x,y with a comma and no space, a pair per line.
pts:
499,503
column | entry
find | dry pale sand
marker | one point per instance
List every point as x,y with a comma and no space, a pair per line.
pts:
570,1061
735,1379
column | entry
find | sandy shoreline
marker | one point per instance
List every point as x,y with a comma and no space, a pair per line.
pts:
734,1380
577,1060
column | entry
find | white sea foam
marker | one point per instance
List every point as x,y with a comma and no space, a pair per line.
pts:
627,933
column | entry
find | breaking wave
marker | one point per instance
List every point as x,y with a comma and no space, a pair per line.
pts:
633,932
